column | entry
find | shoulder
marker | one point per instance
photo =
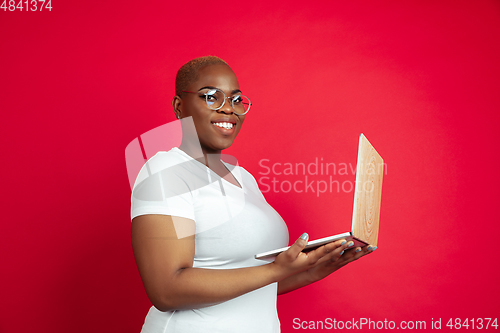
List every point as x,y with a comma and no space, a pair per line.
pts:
162,162
165,159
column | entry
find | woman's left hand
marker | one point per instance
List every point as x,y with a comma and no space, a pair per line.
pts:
326,266
338,255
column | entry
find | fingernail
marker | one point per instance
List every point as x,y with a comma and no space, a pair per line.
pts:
370,247
374,248
304,236
343,242
351,244
358,250
341,253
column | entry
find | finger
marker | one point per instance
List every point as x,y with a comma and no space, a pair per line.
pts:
358,252
297,247
340,244
349,251
366,250
331,251
347,246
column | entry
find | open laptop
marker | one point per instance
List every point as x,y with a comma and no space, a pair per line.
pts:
367,197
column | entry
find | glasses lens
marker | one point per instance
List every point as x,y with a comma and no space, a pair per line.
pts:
241,104
214,98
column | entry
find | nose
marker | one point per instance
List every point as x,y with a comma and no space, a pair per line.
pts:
227,108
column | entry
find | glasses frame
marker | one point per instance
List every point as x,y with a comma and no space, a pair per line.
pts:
224,101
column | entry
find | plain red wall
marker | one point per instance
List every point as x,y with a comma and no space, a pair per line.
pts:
419,78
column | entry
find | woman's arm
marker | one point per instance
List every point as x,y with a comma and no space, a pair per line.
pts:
340,257
165,265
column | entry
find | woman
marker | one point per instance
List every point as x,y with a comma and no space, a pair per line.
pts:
197,222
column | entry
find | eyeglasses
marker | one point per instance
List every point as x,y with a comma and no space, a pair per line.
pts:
215,99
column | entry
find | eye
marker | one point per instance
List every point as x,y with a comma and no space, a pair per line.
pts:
211,95
237,100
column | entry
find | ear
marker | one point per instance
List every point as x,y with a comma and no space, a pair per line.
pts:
177,105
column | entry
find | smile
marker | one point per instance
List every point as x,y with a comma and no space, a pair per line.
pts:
224,125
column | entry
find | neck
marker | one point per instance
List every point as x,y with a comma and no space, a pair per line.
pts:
209,158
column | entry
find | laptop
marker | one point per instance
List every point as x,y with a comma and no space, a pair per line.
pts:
366,208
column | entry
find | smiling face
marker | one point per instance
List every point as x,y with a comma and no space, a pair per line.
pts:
216,129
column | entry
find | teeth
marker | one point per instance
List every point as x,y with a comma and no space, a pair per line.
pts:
224,125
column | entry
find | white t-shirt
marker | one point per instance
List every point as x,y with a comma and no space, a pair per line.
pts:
232,225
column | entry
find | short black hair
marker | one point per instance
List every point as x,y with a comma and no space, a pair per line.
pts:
188,73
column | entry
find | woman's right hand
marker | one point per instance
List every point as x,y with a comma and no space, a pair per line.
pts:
293,260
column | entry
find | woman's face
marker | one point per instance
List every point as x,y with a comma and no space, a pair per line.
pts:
212,126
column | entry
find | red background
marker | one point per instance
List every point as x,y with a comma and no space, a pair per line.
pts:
419,78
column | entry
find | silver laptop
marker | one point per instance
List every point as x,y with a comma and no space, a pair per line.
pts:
367,198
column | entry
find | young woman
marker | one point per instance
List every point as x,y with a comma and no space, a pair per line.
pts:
198,222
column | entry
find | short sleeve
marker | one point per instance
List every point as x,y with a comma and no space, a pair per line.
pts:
162,194
162,187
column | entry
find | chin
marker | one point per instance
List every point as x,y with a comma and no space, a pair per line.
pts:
223,144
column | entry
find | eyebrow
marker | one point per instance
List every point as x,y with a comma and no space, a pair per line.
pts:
210,87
